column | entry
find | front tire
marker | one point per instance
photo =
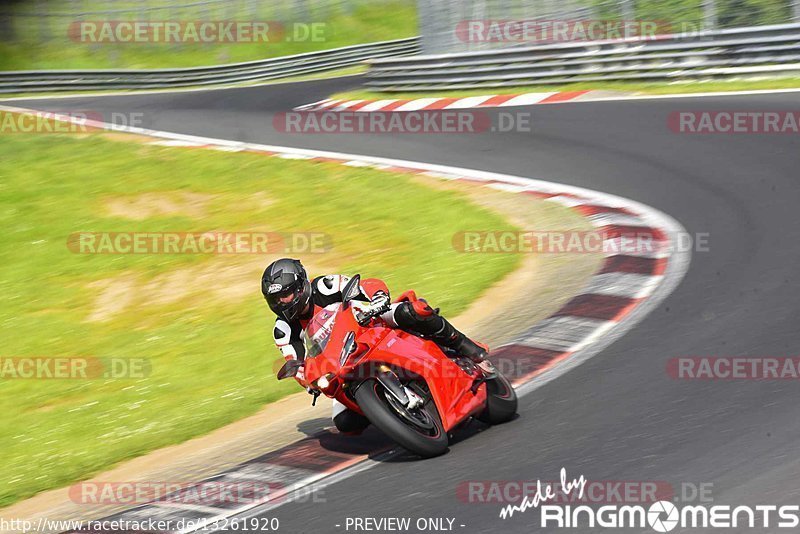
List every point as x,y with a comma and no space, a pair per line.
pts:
501,401
426,437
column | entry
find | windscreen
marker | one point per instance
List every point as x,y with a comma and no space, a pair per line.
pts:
318,332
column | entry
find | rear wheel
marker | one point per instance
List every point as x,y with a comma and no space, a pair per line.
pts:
501,401
420,431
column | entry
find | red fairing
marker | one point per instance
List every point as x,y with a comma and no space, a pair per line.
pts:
420,305
451,388
409,295
373,285
422,308
449,385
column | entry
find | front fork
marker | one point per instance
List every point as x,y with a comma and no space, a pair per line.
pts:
392,384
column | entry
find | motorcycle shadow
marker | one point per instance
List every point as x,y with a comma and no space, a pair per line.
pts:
314,427
373,443
471,428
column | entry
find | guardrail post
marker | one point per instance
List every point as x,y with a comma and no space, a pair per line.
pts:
300,10
628,11
709,15
432,25
6,25
479,12
44,21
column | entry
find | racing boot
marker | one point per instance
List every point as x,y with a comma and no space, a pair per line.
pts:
451,338
418,317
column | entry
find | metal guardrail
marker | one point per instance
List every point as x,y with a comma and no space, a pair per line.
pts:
763,51
267,69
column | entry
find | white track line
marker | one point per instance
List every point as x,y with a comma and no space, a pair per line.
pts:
611,219
417,104
526,99
345,105
628,285
469,102
378,104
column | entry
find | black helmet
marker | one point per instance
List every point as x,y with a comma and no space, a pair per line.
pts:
287,289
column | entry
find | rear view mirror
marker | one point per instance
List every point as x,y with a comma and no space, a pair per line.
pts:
289,369
351,290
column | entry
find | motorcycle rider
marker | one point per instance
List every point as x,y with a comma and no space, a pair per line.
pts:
295,299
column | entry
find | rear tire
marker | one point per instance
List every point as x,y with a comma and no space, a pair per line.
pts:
371,398
501,401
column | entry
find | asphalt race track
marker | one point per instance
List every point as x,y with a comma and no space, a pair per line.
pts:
619,416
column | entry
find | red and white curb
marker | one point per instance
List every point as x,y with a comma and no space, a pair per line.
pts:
432,104
627,286
626,280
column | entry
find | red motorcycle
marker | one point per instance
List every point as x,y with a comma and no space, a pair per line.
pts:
405,385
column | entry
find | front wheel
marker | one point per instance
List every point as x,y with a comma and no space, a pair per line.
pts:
420,431
501,401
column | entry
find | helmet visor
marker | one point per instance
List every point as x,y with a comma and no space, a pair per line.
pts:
284,299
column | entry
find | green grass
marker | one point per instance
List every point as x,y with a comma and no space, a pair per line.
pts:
43,42
636,88
208,340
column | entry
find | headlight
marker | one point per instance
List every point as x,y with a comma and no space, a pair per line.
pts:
324,381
